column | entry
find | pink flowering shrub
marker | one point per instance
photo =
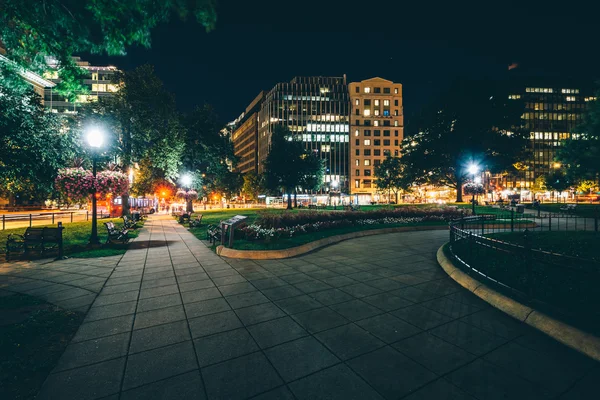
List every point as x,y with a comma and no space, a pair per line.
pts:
189,195
74,184
114,182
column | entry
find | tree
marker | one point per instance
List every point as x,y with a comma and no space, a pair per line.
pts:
283,164
584,187
580,154
34,145
390,176
558,181
312,173
253,185
539,185
33,30
473,122
143,117
474,189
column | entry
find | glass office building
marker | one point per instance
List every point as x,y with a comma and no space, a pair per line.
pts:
316,109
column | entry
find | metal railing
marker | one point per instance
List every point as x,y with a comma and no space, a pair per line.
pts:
514,258
9,221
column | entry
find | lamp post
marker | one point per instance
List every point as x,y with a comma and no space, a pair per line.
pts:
95,139
473,169
186,180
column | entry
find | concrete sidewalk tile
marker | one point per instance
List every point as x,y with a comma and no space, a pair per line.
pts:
259,313
224,346
420,316
201,294
155,303
331,296
86,383
319,319
468,337
388,328
386,301
280,393
195,285
157,317
298,304
104,300
240,378
356,310
391,373
359,290
433,353
186,386
246,299
93,351
335,383
158,336
349,341
300,357
153,365
206,307
158,291
276,331
440,390
236,288
214,323
104,327
154,283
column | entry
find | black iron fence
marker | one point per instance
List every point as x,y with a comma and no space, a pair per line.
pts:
549,260
8,221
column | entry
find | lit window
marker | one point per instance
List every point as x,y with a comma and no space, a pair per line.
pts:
395,113
357,102
571,98
590,99
367,113
357,183
325,148
395,90
112,88
395,123
514,96
94,76
357,162
356,132
367,162
386,102
376,112
376,102
375,123
367,142
367,90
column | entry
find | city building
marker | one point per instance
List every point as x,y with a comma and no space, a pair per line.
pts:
376,130
552,109
316,109
245,137
99,82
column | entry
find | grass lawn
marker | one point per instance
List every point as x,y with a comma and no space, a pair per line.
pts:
214,217
571,288
76,236
33,336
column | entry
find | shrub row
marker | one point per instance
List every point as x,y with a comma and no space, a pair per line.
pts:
287,219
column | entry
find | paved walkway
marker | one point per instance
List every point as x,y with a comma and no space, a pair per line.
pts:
369,318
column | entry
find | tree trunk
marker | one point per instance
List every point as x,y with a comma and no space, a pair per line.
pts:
295,199
289,200
459,198
396,195
127,164
189,206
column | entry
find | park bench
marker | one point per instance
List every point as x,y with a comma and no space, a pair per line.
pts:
129,223
184,217
194,223
116,235
213,234
568,207
39,240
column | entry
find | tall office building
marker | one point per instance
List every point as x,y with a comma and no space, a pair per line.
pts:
99,82
317,110
245,137
553,108
377,129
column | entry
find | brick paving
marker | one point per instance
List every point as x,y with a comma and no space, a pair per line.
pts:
369,318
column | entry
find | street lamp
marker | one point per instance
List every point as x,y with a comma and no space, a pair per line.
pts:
186,181
95,139
473,169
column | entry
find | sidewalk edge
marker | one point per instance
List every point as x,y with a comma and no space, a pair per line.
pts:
583,342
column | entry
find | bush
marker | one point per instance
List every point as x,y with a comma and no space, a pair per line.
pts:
287,219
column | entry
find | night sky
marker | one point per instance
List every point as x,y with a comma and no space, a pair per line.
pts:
424,47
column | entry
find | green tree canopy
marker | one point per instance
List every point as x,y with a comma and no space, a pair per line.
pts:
253,185
390,176
557,180
34,145
473,122
32,30
283,169
145,125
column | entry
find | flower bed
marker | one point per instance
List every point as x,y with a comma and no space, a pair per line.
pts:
270,227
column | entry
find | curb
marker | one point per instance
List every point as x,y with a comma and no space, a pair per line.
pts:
568,335
308,247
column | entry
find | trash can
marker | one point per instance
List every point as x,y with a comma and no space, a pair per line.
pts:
520,208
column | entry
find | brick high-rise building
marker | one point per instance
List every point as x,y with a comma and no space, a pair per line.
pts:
245,137
376,131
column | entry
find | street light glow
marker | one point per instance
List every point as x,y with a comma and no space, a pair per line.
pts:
473,169
95,137
186,180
